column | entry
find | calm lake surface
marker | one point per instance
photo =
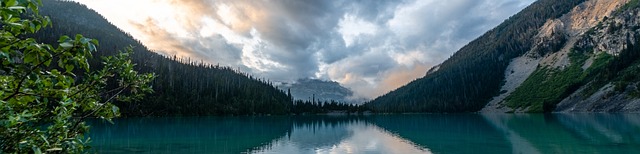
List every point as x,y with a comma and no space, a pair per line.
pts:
415,133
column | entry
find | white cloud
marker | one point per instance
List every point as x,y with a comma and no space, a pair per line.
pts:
254,56
351,28
409,58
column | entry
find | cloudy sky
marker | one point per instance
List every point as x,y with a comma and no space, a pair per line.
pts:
369,46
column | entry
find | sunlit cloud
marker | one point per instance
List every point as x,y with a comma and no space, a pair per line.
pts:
371,47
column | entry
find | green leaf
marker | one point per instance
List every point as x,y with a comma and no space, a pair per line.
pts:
92,48
29,57
94,41
85,40
79,37
11,3
47,63
32,28
69,67
3,55
44,139
54,149
64,39
15,24
36,150
34,7
85,65
46,21
66,45
115,109
17,8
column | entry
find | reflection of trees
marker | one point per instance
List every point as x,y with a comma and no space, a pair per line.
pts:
445,133
188,134
326,131
339,134
604,129
309,132
569,133
519,144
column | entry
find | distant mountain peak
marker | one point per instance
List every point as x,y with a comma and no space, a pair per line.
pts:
321,90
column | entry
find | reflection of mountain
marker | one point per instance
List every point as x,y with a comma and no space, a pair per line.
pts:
446,133
613,129
324,135
519,143
187,134
310,132
569,133
341,134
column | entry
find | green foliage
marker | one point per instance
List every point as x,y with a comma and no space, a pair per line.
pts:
43,106
630,5
626,77
547,86
596,71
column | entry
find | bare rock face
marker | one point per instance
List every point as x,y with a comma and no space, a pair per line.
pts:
611,36
557,37
589,14
551,37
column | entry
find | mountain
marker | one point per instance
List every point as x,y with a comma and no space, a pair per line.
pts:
182,86
553,56
308,89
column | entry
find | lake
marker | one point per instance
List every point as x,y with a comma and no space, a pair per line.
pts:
409,133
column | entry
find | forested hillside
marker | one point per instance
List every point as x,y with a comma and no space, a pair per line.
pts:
472,76
182,86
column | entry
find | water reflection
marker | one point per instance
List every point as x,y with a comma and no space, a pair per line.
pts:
186,134
419,133
569,133
340,135
446,133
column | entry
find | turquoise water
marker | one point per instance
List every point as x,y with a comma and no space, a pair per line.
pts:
415,133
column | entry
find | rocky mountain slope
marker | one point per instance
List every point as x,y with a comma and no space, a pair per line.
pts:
583,57
564,52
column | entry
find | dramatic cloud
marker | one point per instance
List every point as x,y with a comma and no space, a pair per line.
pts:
370,46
